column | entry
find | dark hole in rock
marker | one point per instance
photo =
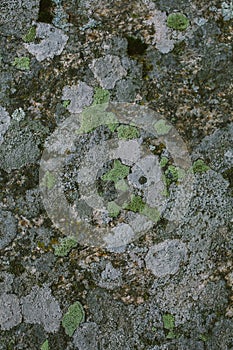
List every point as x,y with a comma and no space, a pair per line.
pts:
46,11
142,180
135,46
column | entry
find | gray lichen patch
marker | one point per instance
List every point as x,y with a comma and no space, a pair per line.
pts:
52,43
40,307
80,96
85,337
4,122
8,228
108,70
165,258
10,313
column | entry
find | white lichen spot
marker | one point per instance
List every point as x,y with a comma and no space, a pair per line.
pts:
108,70
52,42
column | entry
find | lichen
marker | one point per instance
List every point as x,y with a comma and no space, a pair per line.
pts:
171,174
177,21
161,127
45,345
152,213
127,132
136,204
169,325
48,180
65,245
199,166
66,103
30,36
163,162
22,63
72,319
101,96
121,185
113,209
95,116
118,172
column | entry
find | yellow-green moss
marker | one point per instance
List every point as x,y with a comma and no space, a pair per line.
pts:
199,166
127,132
30,36
65,245
22,63
45,345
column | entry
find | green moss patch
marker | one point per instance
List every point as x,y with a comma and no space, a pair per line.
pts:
65,245
101,96
199,166
169,325
118,172
30,36
45,345
72,319
127,132
177,21
22,63
136,204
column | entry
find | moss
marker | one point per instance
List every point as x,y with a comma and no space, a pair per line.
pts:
169,325
66,103
136,204
168,322
152,213
171,174
118,172
200,167
161,127
30,36
163,162
65,245
22,63
127,132
48,180
203,337
45,345
101,96
113,209
177,21
95,116
72,319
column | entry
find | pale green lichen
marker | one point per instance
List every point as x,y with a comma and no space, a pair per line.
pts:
113,209
48,180
121,185
101,96
30,36
199,166
163,162
203,337
118,172
22,63
127,132
177,21
161,127
152,213
66,103
65,245
72,319
169,325
45,345
95,116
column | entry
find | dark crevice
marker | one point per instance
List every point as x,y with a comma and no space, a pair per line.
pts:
135,46
46,11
